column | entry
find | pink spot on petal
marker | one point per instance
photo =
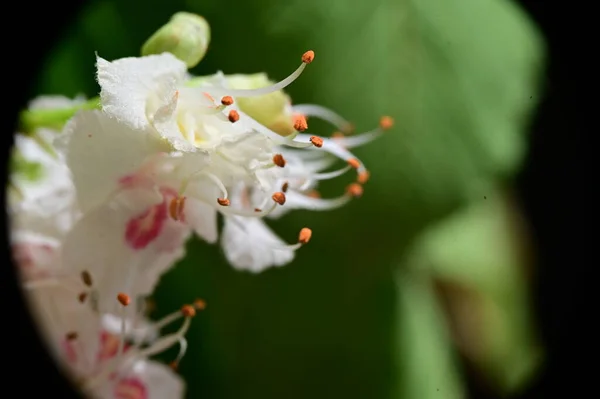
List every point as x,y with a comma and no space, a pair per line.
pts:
143,229
130,388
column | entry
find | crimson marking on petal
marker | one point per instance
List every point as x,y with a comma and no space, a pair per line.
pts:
143,229
131,388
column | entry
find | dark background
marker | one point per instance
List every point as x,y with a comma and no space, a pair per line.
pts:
553,188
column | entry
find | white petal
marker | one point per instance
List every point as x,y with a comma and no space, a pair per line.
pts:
160,380
249,244
134,88
99,243
100,151
48,206
202,218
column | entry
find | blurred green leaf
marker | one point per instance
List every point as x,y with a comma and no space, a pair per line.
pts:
427,366
480,262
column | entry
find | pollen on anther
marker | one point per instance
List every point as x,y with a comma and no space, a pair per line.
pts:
300,123
176,207
233,116
316,141
355,190
200,304
353,162
285,187
257,210
188,311
223,201
386,122
363,177
72,335
82,297
279,197
86,277
227,100
308,57
123,299
279,160
305,235
337,135
174,365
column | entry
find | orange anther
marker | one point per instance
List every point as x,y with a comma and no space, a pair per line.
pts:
233,116
308,57
355,190
223,201
82,297
285,187
71,335
124,299
200,304
353,162
279,160
86,277
316,141
363,177
279,197
304,236
227,100
300,123
386,122
188,311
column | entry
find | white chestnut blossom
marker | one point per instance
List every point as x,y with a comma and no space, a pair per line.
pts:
164,152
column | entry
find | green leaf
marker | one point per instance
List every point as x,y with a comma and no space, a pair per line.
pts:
478,259
424,355
459,76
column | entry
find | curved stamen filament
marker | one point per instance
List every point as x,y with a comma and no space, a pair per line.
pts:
323,113
219,91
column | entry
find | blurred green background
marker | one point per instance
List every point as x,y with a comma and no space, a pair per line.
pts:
426,273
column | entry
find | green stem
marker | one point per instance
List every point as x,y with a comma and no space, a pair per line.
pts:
32,119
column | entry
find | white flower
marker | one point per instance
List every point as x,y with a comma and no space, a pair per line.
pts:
216,157
108,357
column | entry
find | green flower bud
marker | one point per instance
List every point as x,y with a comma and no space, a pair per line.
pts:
186,36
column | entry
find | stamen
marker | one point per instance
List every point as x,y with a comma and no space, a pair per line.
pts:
300,123
316,141
353,162
285,187
188,310
176,207
305,235
313,194
227,100
279,160
200,304
233,116
307,58
223,201
279,197
386,122
124,299
82,297
86,277
182,349
71,336
363,177
325,114
355,190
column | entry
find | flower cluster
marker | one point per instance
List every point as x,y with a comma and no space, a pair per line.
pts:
102,206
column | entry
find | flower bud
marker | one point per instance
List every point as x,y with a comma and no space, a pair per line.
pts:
186,36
